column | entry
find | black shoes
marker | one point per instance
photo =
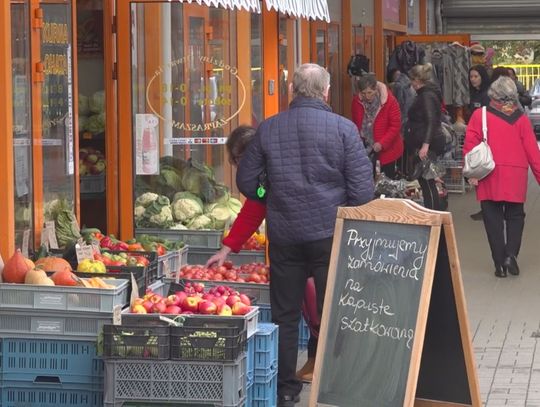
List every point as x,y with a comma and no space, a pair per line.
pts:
477,216
500,271
510,264
288,401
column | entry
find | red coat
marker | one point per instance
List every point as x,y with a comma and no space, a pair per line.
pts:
386,126
514,149
249,219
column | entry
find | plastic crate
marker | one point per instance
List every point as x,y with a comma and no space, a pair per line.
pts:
453,179
215,340
264,391
41,297
159,287
44,394
265,315
213,383
139,273
266,350
201,256
249,397
171,262
35,360
92,184
210,239
250,361
136,342
259,291
52,324
150,271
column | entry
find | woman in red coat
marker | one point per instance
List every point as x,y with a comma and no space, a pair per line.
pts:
376,112
502,193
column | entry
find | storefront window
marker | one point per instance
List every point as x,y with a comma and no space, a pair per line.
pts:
22,130
186,99
256,69
286,60
57,104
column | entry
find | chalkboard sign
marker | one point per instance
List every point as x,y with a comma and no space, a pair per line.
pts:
376,310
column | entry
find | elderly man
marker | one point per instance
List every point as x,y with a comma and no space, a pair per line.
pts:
314,162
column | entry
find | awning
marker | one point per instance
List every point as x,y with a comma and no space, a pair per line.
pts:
314,9
249,5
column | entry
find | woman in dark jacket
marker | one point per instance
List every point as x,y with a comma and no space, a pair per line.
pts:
424,132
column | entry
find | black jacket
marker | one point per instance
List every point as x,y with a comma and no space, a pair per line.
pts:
424,120
478,99
315,162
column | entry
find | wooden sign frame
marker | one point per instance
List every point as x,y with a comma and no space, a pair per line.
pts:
401,211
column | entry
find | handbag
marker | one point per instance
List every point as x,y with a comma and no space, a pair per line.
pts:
478,162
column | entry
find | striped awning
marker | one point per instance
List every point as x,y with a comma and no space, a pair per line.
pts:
310,9
249,5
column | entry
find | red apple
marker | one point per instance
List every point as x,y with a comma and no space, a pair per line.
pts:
239,308
232,300
190,304
138,309
159,308
207,307
156,298
224,310
181,296
245,299
138,301
208,296
147,304
172,300
219,301
199,287
173,309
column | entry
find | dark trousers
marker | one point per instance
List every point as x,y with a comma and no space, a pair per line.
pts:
430,193
290,267
504,222
389,169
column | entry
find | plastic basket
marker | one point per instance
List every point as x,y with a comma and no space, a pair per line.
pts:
201,256
150,271
266,350
210,239
92,184
159,287
250,361
40,297
264,391
46,394
178,259
213,383
35,360
265,315
453,179
52,324
259,291
135,342
139,273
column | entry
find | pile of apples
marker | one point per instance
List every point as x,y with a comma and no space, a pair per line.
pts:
121,259
246,273
91,161
220,300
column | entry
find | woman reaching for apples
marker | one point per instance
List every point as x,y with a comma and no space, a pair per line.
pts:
248,221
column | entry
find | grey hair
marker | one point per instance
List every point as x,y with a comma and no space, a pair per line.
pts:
366,81
503,90
421,73
310,80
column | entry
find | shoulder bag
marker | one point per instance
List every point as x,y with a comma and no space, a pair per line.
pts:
478,162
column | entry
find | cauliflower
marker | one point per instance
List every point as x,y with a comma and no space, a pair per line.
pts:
139,212
146,199
201,222
163,218
221,215
178,226
186,206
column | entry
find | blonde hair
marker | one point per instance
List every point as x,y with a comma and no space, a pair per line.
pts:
421,73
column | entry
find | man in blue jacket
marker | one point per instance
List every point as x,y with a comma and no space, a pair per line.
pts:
314,162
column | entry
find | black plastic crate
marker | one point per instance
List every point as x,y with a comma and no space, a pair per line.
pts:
136,342
208,339
151,269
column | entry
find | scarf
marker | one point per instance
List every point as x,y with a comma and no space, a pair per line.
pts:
509,111
371,109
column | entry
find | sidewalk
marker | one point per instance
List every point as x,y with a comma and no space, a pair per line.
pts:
504,314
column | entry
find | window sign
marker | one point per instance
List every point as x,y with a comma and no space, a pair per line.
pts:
146,144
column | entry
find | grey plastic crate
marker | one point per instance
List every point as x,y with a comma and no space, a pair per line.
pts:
193,238
52,324
170,263
214,383
200,256
39,297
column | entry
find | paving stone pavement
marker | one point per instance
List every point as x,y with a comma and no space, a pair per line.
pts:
504,314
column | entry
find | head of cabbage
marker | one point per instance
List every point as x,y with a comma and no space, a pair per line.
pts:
186,206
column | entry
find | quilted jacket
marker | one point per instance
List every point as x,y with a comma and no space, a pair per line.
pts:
315,162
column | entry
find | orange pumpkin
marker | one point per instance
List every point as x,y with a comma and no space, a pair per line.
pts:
53,264
15,269
64,277
29,263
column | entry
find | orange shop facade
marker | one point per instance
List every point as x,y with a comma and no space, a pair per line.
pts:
100,95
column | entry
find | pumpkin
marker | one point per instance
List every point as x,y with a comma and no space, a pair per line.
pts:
37,277
15,269
53,264
29,263
64,277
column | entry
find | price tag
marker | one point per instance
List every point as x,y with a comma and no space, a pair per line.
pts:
53,243
25,241
117,315
166,269
134,289
96,246
84,252
45,237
